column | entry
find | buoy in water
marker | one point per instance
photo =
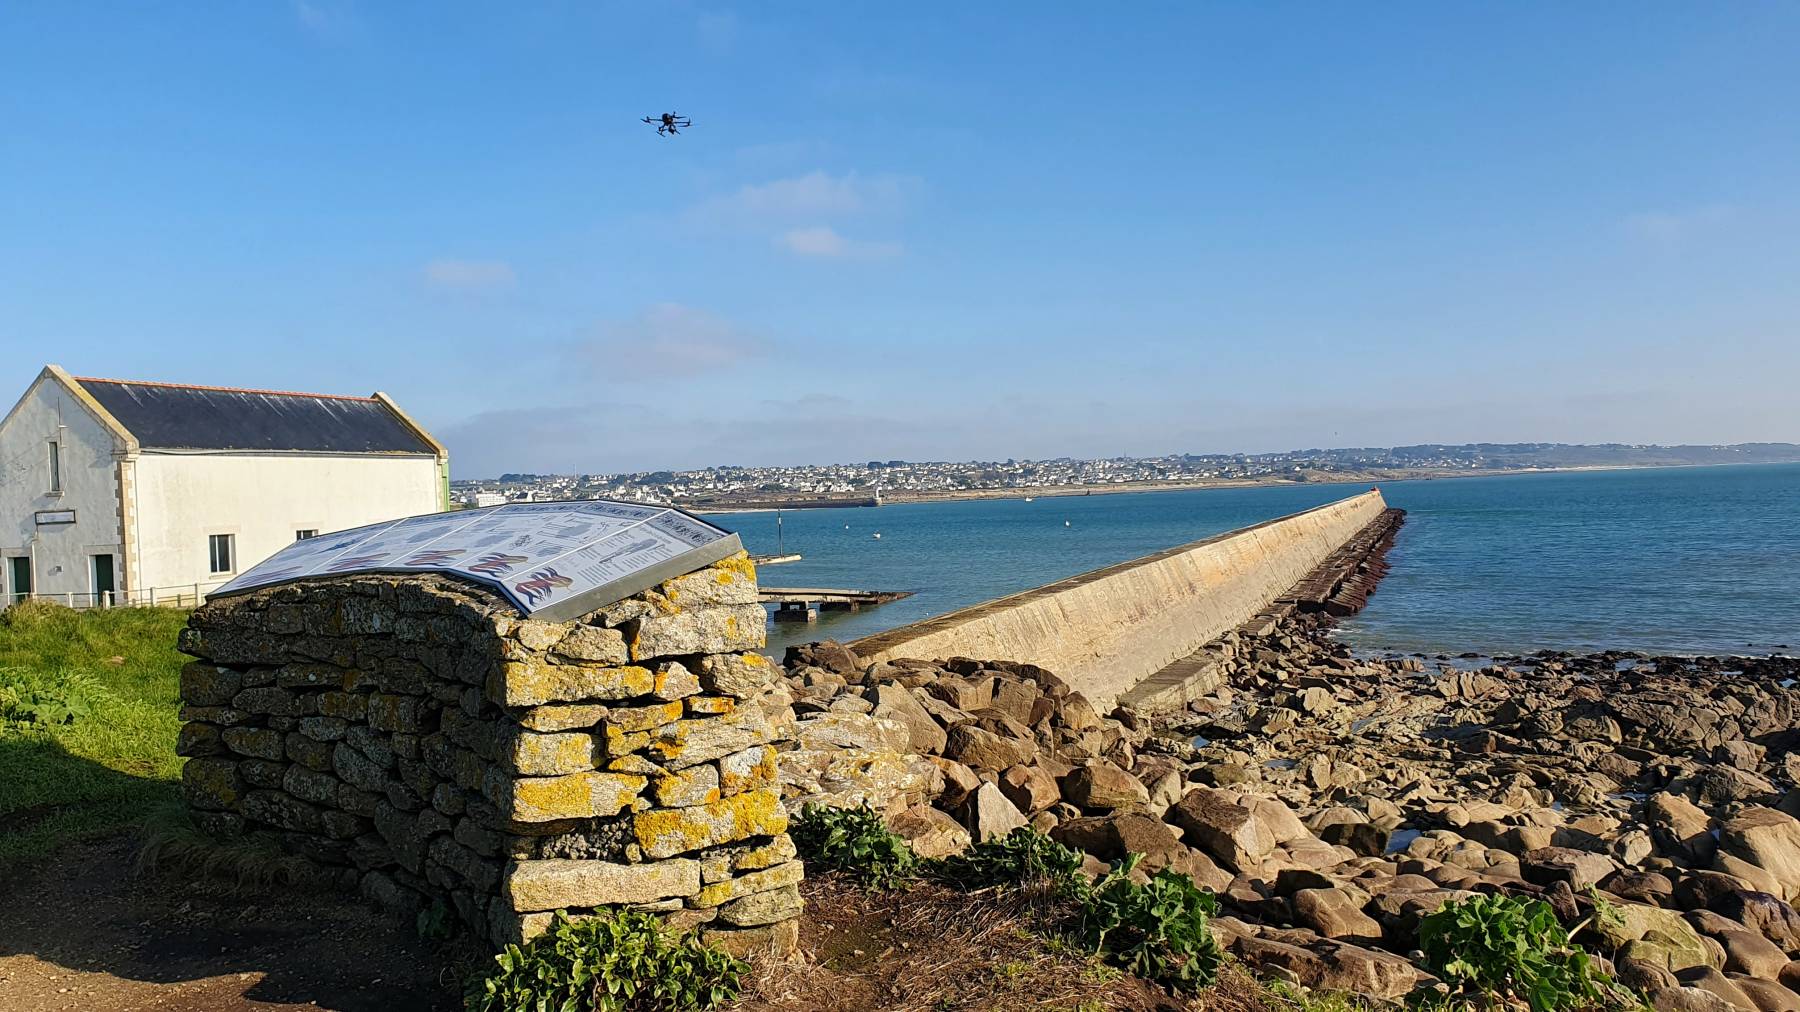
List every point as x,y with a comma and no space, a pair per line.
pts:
1065,523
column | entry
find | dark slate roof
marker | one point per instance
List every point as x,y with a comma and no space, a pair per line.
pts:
177,417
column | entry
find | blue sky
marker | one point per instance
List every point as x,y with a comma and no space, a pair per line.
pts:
920,231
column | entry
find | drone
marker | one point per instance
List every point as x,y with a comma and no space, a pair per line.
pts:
669,123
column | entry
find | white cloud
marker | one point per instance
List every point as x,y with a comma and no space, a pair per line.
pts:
824,241
1669,229
330,21
470,275
669,339
816,194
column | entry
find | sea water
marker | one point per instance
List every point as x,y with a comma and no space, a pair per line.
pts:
1664,560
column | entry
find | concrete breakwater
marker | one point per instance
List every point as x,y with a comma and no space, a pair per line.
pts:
1337,587
1109,629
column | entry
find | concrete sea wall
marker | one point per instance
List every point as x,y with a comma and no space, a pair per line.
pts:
1107,630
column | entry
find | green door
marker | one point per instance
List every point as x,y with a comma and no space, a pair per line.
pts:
103,580
21,577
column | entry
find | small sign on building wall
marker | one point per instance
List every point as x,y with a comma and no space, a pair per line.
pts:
47,517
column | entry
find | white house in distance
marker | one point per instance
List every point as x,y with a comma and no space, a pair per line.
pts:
114,490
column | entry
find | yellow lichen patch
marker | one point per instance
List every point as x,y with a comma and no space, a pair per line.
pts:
530,683
541,799
777,851
622,743
667,832
577,796
711,706
642,718
634,764
697,785
755,882
735,566
551,754
748,770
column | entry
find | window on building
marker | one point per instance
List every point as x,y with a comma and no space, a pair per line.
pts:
311,532
220,550
55,466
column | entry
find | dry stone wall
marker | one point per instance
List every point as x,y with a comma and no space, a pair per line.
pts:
415,732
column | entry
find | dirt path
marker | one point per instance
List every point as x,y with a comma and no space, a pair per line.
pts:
82,932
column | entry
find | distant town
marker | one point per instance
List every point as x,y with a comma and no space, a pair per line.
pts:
876,481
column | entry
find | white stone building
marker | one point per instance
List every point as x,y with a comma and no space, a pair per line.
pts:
112,490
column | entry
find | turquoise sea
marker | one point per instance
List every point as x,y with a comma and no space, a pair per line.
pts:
1674,560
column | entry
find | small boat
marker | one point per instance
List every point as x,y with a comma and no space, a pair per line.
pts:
1028,498
877,535
1066,523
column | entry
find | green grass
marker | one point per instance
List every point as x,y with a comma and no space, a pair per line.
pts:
111,766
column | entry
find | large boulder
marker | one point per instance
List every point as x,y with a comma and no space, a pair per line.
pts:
1748,952
1030,788
1231,832
931,833
1335,913
1709,979
1099,785
838,730
987,815
1579,868
896,702
1111,837
982,749
1681,830
1767,839
1768,995
1763,913
1657,936
1330,966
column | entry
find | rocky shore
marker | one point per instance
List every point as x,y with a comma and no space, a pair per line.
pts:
1332,800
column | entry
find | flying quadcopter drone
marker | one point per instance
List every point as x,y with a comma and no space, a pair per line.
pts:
669,123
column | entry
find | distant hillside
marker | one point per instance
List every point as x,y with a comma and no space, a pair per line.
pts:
1516,455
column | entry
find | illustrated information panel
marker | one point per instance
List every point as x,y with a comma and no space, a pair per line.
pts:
540,555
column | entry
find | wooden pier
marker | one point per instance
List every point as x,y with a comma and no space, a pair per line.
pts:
803,604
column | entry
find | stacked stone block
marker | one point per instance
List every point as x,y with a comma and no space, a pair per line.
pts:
419,734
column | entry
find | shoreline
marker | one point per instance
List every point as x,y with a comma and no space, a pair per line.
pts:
1330,802
1068,491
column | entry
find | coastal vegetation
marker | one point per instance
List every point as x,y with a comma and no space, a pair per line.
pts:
88,703
613,961
1154,928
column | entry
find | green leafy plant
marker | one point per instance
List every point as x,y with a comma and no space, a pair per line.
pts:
1499,947
855,841
613,961
28,701
1023,855
1157,930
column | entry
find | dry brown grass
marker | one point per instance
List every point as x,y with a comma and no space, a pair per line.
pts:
932,949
